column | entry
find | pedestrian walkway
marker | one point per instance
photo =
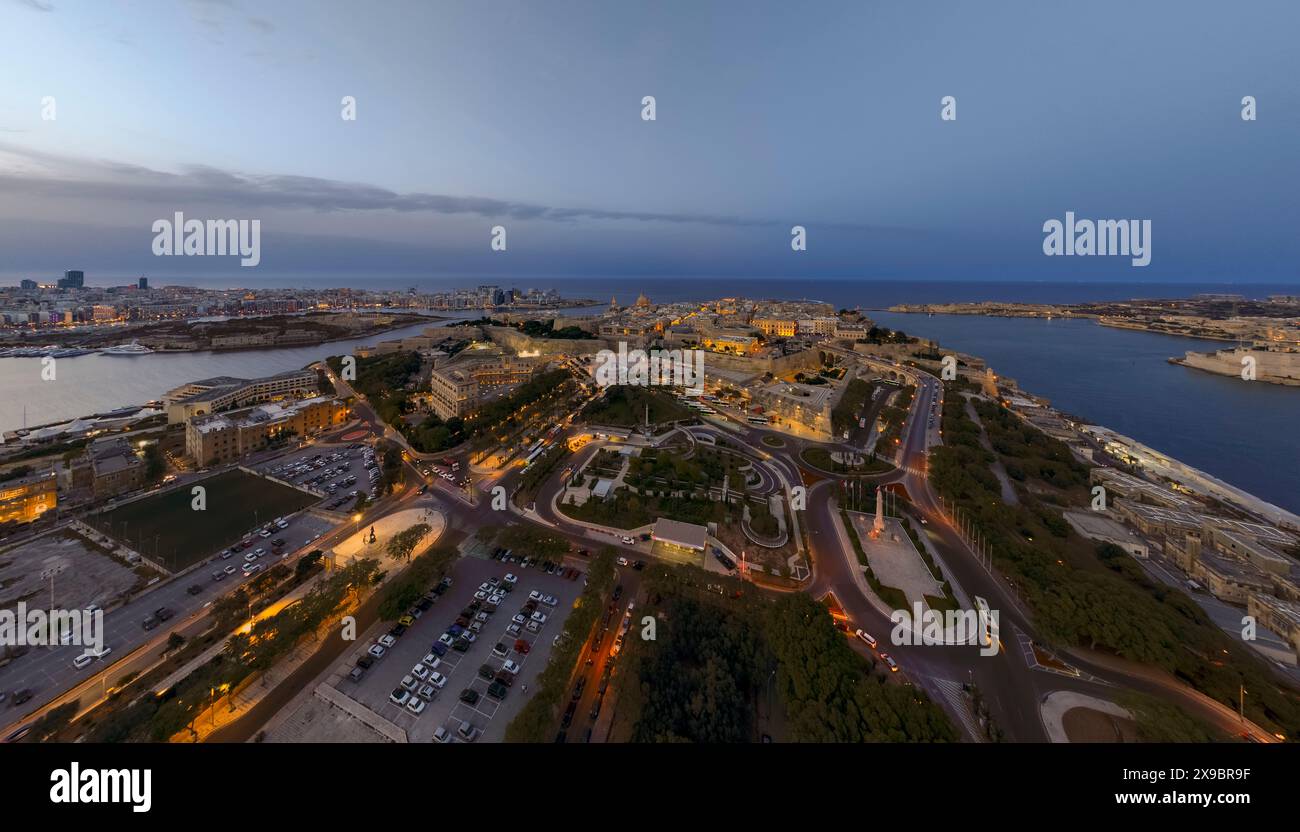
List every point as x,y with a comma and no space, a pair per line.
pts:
956,697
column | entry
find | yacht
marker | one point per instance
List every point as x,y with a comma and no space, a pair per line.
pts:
133,348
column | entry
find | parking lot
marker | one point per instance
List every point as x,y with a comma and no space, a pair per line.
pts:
460,670
339,473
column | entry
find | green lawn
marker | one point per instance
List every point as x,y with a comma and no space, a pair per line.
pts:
820,458
164,526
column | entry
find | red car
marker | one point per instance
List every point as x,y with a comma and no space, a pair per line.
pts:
522,646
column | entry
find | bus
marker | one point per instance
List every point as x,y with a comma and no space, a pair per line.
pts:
758,420
534,455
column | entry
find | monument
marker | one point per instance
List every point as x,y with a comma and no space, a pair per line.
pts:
878,527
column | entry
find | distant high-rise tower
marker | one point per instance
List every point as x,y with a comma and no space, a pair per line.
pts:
144,282
73,279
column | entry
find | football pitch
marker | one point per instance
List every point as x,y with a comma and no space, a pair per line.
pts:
167,528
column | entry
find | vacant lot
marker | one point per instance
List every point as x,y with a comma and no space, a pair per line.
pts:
82,570
165,526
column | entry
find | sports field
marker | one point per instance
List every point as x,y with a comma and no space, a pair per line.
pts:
167,528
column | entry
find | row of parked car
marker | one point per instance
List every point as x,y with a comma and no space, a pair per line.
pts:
870,641
526,561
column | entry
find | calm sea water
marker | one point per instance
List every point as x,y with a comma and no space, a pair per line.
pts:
1244,433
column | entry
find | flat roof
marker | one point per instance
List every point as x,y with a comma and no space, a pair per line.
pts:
678,533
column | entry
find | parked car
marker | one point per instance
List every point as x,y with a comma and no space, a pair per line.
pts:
866,637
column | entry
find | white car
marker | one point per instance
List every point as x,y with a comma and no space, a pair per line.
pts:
437,679
399,696
82,660
510,579
511,667
866,637
485,586
496,599
420,672
550,600
539,617
513,629
415,705
431,661
469,636
481,595
624,561
534,596
441,735
386,640
447,639
629,541
409,683
377,650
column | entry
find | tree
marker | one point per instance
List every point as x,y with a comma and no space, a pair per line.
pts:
155,464
403,543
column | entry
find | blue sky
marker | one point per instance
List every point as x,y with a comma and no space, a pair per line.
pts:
527,115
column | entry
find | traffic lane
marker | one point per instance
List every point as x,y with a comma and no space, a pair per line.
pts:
1003,677
48,671
596,655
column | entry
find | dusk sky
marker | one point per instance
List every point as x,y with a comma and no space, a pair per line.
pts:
528,115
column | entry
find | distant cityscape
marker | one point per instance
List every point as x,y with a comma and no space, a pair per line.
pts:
868,469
